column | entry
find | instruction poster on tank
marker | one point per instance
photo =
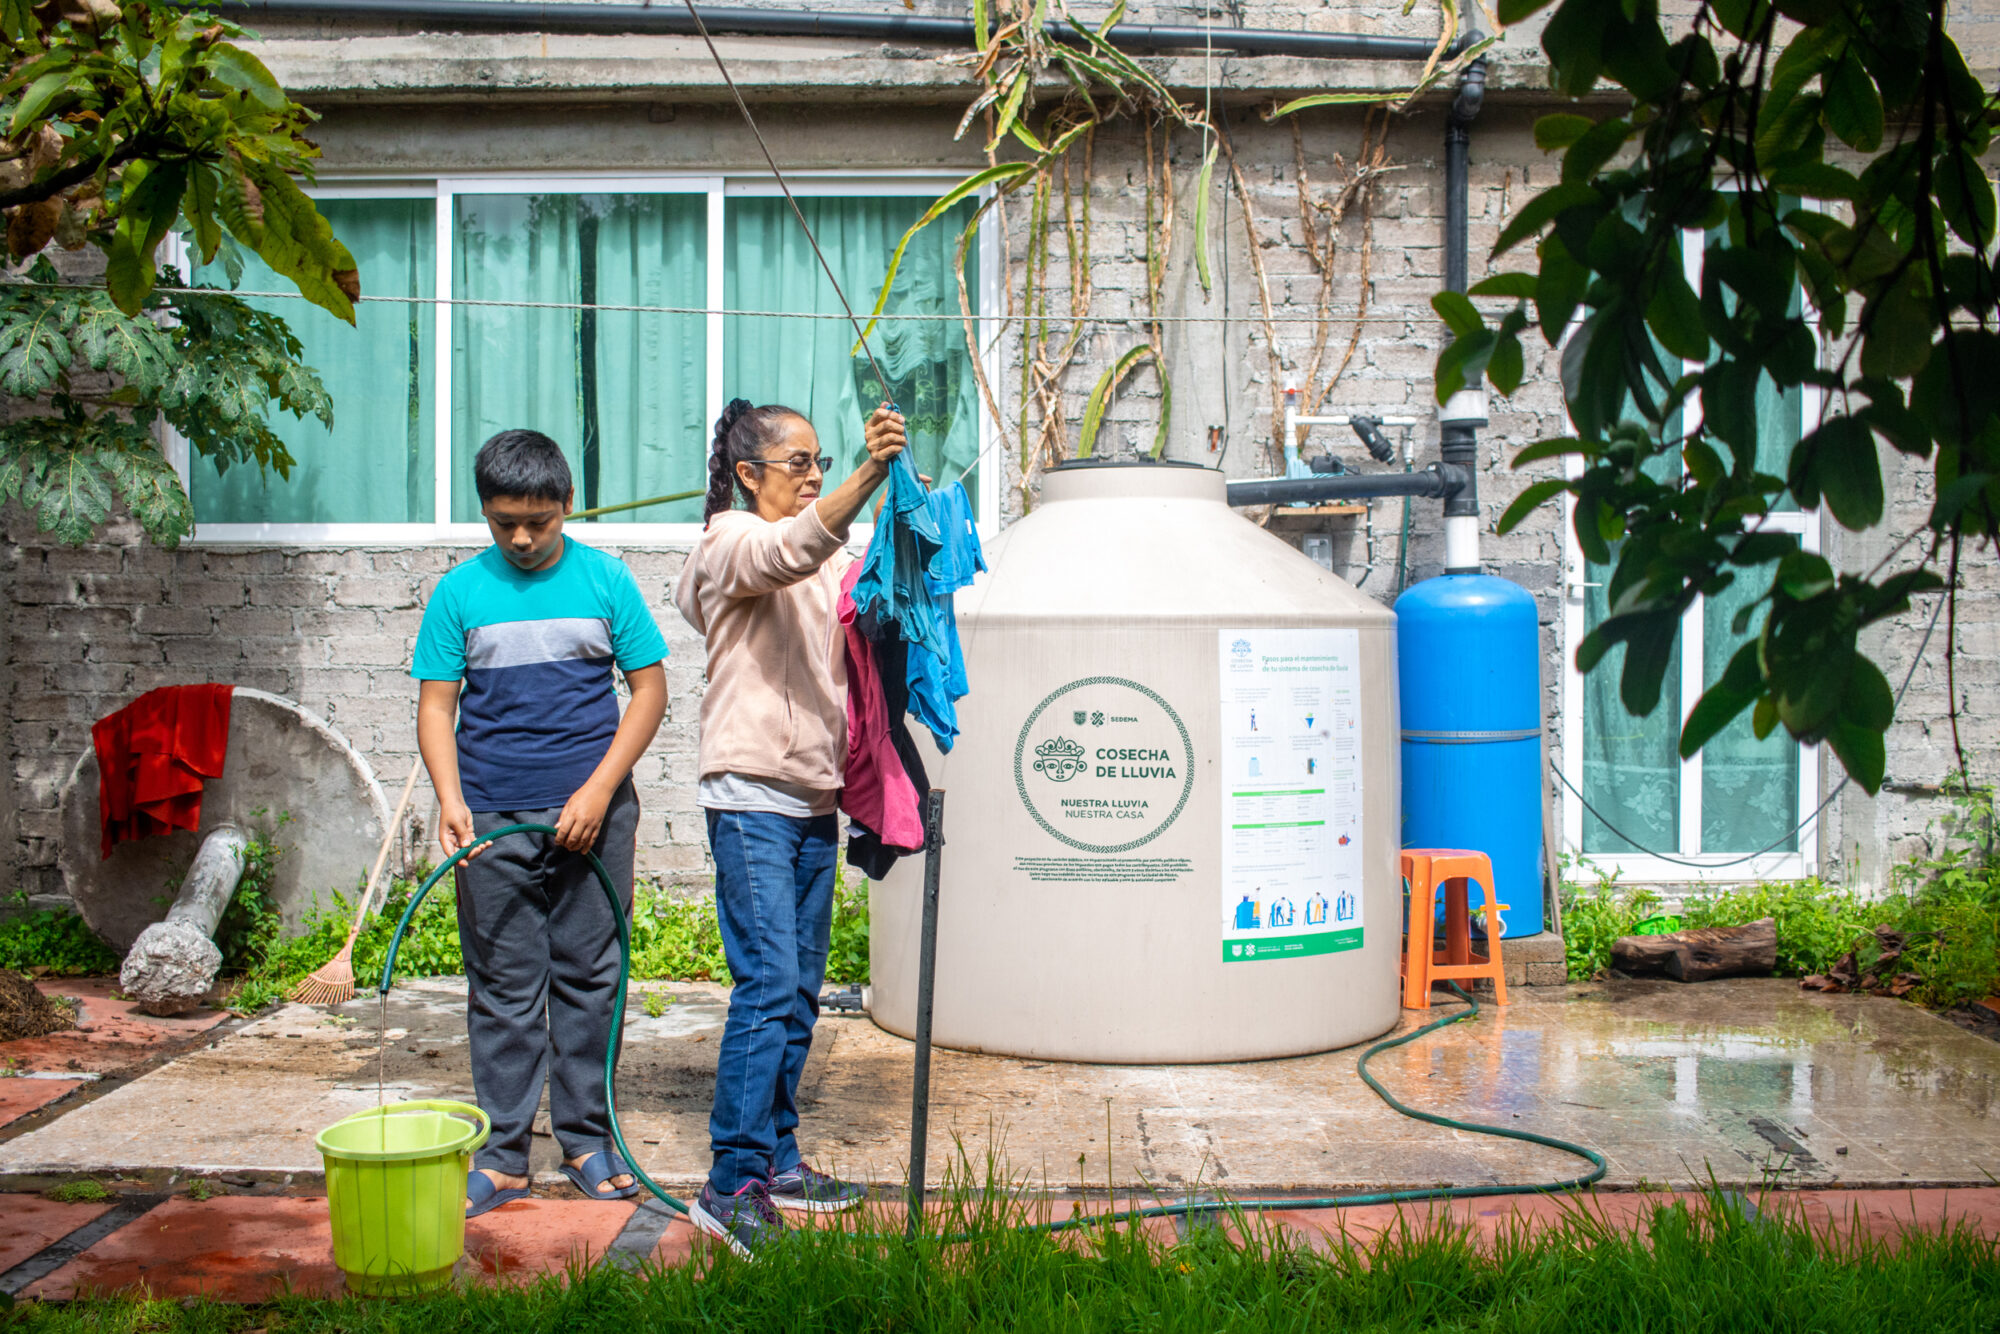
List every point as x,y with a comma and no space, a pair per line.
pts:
1291,793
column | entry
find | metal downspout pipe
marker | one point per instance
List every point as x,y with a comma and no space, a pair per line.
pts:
515,16
1465,412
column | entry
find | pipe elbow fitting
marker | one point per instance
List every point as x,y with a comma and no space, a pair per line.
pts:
1471,96
1459,485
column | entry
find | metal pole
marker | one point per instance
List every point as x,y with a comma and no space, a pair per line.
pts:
920,1085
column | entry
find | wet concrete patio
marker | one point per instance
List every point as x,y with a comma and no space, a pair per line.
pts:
1747,1083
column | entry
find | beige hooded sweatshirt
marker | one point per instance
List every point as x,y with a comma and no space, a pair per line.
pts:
766,596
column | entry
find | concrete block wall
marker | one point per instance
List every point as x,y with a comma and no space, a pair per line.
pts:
333,628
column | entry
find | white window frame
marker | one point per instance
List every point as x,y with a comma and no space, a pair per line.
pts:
1717,867
445,188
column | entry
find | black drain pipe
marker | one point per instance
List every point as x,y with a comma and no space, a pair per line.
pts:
1440,481
517,16
1460,420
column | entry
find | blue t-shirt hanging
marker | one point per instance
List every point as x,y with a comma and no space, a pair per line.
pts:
535,650
891,586
925,548
936,684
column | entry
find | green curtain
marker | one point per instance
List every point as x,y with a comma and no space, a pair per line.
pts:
1749,788
622,392
375,464
811,365
1631,766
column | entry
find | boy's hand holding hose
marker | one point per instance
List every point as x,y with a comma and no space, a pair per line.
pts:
582,815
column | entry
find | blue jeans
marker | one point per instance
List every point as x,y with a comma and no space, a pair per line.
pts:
774,897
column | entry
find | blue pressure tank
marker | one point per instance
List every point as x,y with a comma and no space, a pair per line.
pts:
1468,650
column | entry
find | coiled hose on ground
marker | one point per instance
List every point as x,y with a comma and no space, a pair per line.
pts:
1594,1158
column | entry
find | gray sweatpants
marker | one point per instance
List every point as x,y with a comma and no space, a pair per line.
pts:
541,954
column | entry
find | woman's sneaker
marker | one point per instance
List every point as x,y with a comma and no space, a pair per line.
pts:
745,1220
814,1192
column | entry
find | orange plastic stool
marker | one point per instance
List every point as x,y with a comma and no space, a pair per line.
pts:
1429,870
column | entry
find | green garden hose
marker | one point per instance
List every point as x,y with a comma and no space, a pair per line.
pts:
1594,1158
618,1002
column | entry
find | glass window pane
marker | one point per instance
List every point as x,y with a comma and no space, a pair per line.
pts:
1780,413
621,391
375,464
1749,788
1631,766
812,365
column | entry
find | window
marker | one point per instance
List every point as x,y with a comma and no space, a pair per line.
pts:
374,465
541,333
1740,796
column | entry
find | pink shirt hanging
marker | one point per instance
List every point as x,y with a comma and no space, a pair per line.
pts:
878,791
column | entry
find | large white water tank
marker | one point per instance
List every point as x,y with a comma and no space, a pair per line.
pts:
1171,818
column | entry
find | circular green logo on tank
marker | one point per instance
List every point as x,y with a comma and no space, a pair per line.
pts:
1104,764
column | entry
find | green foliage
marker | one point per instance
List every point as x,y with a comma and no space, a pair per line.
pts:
205,363
250,922
1946,907
847,954
1594,916
1731,130
1816,924
1708,1264
201,1189
125,122
1955,895
81,1191
430,946
51,939
677,938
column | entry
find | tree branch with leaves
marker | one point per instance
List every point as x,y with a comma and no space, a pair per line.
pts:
1827,155
125,124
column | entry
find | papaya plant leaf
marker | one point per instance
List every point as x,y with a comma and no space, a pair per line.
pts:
34,351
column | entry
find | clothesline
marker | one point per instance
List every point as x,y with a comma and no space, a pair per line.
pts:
1062,321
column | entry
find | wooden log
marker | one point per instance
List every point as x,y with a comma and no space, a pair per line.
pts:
1700,955
1728,951
1643,956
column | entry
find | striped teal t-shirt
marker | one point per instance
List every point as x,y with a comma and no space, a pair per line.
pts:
535,650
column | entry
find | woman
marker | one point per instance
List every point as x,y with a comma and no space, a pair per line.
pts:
763,586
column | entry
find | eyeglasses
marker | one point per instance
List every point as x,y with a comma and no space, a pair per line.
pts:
799,464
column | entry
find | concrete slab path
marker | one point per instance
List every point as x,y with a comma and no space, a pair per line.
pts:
1750,1081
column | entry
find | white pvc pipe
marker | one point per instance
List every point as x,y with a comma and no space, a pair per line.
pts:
1461,544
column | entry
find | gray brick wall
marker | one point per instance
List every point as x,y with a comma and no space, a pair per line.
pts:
332,628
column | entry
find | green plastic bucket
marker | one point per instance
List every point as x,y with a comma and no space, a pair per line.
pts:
395,1183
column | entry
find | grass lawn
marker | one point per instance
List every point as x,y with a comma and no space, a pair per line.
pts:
1685,1270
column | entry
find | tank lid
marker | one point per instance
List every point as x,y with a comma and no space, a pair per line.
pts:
1138,461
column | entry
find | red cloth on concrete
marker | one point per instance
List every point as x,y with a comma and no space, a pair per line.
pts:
878,793
153,756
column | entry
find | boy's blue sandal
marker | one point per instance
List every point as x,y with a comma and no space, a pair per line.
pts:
486,1196
597,1169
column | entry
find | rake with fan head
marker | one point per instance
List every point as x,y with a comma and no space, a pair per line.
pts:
332,983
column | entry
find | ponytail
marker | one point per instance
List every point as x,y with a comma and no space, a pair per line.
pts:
742,432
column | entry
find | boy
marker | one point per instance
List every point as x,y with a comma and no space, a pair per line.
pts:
529,630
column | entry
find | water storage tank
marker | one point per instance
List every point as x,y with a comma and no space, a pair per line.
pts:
1170,825
1470,651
